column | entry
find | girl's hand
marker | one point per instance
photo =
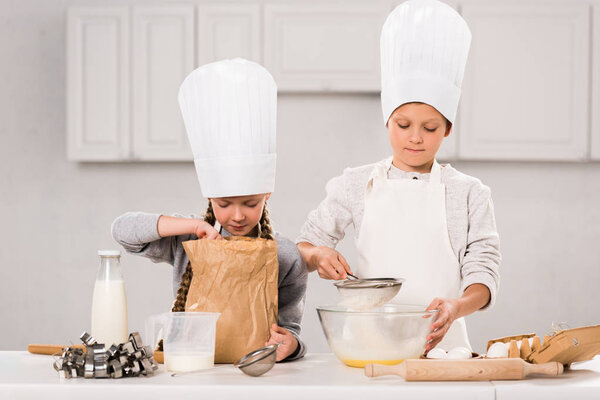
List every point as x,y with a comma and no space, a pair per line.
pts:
204,230
330,264
288,341
449,309
173,226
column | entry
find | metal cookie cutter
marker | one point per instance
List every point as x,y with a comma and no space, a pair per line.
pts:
130,358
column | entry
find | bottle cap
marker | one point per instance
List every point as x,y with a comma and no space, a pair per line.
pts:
109,253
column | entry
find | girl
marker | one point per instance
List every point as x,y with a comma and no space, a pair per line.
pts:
229,112
415,219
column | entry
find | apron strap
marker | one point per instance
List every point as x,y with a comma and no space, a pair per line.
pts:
382,169
436,173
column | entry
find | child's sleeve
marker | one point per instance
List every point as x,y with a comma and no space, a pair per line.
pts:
326,224
482,257
137,232
292,293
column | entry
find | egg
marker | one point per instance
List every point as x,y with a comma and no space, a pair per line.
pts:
437,352
459,353
498,350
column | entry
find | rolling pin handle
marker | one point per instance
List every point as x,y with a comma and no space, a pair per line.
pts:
550,368
373,370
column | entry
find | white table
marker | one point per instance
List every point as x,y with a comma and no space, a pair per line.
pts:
582,381
28,376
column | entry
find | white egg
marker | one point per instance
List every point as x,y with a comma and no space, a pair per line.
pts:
459,353
437,352
498,350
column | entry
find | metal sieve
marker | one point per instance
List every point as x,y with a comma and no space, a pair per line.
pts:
363,294
259,361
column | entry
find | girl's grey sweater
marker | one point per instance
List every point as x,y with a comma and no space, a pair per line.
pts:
137,232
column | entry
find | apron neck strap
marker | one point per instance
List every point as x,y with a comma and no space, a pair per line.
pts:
434,177
382,170
436,173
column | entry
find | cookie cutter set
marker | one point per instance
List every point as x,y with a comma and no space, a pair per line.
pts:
130,358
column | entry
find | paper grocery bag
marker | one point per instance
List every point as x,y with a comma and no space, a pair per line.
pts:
236,277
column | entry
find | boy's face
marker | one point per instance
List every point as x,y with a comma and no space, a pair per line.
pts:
239,215
416,131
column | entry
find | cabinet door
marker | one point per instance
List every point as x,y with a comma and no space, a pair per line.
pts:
321,47
525,93
97,83
163,56
595,151
228,31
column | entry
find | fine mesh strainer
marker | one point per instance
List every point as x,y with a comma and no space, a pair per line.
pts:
259,361
363,294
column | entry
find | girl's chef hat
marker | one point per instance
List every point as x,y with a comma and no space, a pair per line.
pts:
229,109
424,49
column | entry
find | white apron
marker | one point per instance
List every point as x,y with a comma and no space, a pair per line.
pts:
404,234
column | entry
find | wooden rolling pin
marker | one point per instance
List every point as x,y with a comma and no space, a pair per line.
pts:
50,349
464,370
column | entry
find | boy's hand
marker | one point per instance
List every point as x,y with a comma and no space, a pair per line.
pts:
204,230
330,264
288,341
446,316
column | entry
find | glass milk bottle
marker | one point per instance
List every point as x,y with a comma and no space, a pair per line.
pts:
109,306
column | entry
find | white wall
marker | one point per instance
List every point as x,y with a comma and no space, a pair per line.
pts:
56,214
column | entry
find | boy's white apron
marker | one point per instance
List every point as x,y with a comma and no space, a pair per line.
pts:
404,235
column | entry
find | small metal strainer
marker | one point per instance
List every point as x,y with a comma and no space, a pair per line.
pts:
363,294
259,361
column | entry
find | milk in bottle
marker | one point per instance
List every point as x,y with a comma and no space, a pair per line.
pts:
109,305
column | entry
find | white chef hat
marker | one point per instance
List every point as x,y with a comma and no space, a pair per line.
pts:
424,50
229,109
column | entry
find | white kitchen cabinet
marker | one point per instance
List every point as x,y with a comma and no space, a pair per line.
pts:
525,92
528,92
595,139
98,83
452,3
324,46
163,48
228,31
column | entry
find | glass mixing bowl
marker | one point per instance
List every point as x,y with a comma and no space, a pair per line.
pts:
386,335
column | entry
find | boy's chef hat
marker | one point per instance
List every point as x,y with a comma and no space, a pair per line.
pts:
424,49
229,109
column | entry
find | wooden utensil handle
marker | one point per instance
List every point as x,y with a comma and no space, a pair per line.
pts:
50,349
159,357
373,370
550,368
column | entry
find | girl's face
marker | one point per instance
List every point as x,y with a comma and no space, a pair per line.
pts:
416,131
239,215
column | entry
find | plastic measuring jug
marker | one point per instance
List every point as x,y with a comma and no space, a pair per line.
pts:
188,339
